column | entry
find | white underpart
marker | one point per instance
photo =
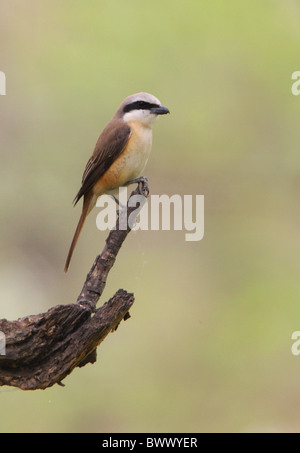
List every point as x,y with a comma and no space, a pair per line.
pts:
144,117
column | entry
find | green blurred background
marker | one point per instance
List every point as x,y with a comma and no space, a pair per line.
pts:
208,346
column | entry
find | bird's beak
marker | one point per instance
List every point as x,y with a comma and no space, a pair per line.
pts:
161,110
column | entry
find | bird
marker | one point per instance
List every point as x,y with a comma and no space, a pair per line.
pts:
120,154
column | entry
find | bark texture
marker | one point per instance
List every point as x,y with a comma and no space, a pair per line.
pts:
41,350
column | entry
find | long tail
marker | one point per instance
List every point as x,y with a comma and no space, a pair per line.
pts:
85,210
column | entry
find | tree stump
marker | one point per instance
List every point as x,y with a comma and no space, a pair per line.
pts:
41,350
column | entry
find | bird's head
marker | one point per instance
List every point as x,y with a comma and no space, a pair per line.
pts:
142,108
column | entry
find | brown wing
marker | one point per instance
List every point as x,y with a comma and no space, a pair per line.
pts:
109,146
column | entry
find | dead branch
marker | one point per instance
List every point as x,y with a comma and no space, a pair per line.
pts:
41,350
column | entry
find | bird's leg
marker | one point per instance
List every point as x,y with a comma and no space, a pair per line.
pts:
118,202
121,205
142,184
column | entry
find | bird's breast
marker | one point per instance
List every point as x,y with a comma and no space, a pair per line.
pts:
135,156
130,163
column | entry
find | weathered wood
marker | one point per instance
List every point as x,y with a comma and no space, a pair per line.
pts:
43,349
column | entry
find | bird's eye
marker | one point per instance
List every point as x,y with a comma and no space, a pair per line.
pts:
138,105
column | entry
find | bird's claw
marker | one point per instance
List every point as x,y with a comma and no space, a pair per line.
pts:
143,186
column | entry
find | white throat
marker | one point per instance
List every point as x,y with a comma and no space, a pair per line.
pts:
143,117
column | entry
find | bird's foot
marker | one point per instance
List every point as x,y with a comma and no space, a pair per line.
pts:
143,185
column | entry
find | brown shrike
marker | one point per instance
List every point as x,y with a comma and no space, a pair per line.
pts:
120,154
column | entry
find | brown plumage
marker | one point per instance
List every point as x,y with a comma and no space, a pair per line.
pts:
120,154
109,146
